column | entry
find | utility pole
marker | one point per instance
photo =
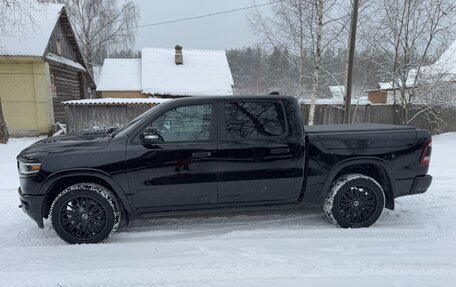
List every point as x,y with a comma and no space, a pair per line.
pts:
351,56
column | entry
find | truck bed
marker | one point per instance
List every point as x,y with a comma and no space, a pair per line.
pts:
363,138
320,129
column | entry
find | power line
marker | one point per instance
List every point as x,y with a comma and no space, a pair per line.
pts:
203,16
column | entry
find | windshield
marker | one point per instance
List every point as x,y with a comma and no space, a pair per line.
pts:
132,124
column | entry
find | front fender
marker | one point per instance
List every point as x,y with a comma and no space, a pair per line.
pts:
88,172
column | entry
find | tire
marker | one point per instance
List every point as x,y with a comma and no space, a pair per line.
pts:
354,201
85,213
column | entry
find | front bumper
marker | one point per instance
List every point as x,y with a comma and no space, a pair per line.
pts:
32,205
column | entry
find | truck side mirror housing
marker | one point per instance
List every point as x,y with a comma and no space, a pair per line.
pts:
151,136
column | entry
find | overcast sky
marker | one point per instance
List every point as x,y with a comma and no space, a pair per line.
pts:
230,30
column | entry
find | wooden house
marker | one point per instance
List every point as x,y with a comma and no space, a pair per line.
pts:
41,66
167,73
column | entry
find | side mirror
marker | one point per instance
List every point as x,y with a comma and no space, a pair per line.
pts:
151,135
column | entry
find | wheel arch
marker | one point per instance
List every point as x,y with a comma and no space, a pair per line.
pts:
376,168
57,182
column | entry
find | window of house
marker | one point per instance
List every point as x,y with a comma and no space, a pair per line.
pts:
58,47
254,120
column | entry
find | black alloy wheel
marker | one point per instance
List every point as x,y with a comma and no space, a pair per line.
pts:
357,204
354,200
85,213
83,217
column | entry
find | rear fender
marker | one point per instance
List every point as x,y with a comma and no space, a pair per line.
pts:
364,160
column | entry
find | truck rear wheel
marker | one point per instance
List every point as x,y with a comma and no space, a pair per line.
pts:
354,200
85,213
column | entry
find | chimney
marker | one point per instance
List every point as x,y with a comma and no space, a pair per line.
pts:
179,58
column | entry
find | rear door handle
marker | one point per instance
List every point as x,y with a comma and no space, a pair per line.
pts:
279,150
201,154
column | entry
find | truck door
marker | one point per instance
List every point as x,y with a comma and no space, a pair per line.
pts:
257,154
179,171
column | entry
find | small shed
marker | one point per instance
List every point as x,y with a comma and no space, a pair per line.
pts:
383,94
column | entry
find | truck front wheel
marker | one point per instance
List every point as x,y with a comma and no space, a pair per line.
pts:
85,213
354,200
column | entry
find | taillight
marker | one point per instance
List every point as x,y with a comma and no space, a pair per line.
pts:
426,154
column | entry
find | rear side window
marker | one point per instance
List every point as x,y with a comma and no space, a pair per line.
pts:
254,120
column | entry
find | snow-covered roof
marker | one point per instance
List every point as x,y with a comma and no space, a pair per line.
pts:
120,75
446,63
385,85
32,37
116,101
337,92
398,83
203,73
63,60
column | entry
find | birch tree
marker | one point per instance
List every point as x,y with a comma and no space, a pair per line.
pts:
306,28
319,6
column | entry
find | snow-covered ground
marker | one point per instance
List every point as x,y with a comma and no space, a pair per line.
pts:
413,246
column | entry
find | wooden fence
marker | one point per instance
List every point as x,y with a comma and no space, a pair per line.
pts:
383,114
89,117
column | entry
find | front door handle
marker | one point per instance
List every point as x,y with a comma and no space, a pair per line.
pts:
201,154
280,150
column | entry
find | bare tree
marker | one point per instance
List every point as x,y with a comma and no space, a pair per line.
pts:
433,95
306,28
286,29
102,26
408,34
13,14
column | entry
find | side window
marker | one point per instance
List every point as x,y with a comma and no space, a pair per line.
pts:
254,120
186,123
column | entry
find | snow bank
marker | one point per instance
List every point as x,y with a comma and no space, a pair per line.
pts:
411,246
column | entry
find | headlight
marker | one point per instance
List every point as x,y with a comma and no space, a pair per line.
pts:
28,167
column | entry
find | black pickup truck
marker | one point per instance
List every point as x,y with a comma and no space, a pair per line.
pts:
209,154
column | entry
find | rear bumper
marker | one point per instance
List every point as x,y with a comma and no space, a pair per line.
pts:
417,185
32,205
421,184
